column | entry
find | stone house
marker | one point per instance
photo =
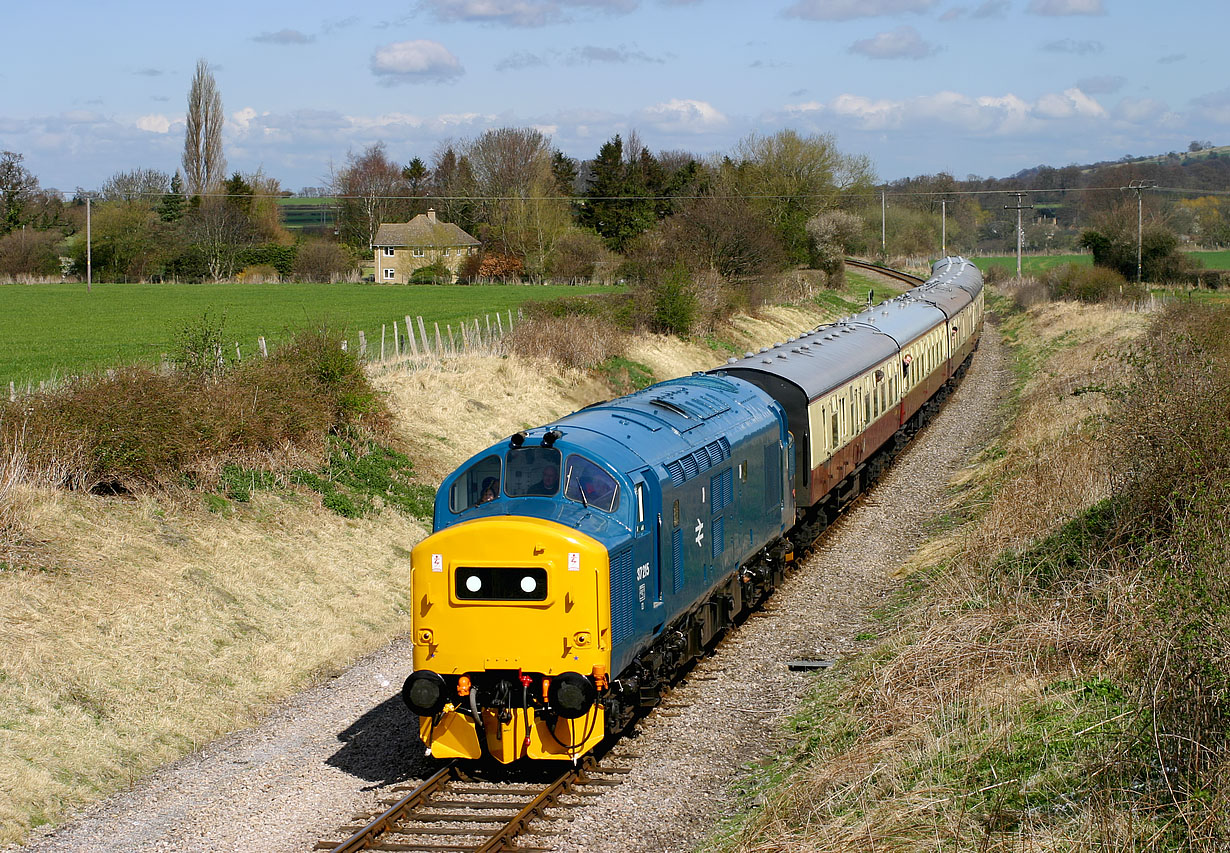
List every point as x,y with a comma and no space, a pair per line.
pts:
403,247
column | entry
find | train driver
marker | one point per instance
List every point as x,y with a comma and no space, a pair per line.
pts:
548,482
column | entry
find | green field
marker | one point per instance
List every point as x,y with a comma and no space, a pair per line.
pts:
53,330
1034,264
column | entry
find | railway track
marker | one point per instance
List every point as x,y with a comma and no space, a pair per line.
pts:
457,809
896,275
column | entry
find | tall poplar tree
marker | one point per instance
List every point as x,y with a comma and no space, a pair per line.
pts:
204,165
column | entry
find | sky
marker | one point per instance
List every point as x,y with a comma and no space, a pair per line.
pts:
968,87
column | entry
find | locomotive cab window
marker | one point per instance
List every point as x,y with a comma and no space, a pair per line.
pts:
588,484
532,471
479,484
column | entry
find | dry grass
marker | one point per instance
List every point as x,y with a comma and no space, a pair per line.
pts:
154,628
980,723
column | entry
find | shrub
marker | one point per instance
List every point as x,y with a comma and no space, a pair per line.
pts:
575,340
323,261
1090,284
259,274
137,427
32,253
436,273
576,255
674,301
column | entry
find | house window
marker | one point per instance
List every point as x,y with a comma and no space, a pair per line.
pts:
389,251
418,253
389,274
446,253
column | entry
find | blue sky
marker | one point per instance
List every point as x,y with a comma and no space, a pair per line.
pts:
986,87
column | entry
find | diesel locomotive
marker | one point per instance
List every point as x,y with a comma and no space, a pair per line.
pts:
576,568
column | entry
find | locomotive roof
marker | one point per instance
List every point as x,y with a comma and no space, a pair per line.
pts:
664,421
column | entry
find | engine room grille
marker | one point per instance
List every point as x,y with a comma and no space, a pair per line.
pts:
623,596
687,467
677,561
719,535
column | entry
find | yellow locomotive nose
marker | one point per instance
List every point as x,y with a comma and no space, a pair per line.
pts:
517,601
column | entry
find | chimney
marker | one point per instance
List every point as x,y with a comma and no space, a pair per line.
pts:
431,215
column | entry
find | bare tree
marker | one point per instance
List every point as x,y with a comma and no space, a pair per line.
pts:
204,165
372,190
143,185
17,188
220,231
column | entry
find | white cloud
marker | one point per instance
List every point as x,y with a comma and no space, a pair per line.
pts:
154,123
1137,110
284,37
1073,103
982,115
1214,106
415,61
243,118
1101,85
1080,48
518,13
903,42
1065,7
846,10
682,116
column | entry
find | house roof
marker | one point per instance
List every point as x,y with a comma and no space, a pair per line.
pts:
424,231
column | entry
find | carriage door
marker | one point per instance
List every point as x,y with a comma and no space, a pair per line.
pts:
646,532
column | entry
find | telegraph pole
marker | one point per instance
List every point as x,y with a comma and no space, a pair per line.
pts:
1138,187
943,228
89,261
883,224
1019,232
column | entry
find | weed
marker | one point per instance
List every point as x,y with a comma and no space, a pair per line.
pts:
361,476
625,375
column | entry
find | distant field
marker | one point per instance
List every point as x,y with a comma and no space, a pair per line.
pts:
52,330
1032,264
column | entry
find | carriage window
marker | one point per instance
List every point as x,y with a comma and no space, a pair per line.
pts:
586,483
743,471
835,436
532,471
481,483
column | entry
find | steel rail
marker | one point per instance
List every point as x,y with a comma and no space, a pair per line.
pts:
898,275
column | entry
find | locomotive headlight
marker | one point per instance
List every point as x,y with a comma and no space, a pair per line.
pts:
424,693
571,695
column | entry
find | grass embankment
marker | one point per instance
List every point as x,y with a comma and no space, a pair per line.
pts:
134,629
48,331
1032,265
1054,676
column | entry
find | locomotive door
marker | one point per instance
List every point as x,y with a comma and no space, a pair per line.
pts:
647,497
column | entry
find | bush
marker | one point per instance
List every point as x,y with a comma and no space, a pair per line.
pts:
582,341
576,255
32,253
437,273
259,274
1090,284
323,261
138,427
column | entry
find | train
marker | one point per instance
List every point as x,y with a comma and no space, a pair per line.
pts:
576,569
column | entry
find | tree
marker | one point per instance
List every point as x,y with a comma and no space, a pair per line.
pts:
453,186
323,261
27,252
515,198
618,202
126,242
204,165
219,231
371,189
139,185
1113,243
790,178
171,208
832,234
17,189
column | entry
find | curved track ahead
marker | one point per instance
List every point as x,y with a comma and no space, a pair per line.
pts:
897,275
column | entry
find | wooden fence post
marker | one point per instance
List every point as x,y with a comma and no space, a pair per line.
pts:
478,332
452,347
499,323
382,330
238,354
414,350
439,343
423,332
12,391
264,349
465,337
362,345
510,319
